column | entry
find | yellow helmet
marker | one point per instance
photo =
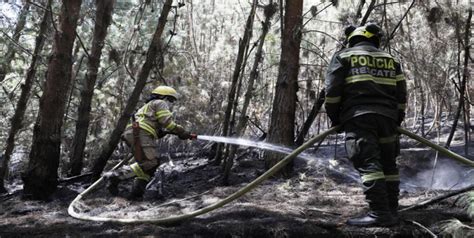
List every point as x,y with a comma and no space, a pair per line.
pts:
360,31
166,91
369,31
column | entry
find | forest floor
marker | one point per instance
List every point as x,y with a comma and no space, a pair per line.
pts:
315,202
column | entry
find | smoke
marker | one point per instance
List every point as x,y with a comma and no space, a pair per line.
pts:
446,175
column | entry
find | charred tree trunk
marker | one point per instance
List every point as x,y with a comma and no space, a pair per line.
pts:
243,43
103,18
359,8
370,8
17,119
152,53
423,108
41,176
464,79
312,115
467,126
8,57
282,125
269,12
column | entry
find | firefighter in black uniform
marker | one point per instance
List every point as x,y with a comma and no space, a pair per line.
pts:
366,94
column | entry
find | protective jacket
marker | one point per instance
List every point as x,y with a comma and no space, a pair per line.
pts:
364,79
155,117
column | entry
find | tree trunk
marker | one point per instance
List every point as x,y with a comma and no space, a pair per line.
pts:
359,8
370,8
269,12
466,129
235,77
464,79
103,17
17,119
240,129
152,54
423,108
40,177
312,115
8,57
282,124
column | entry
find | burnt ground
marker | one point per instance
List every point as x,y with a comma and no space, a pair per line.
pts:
315,202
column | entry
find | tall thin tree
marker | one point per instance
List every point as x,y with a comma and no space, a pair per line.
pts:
153,52
465,76
17,119
103,17
11,50
311,117
40,177
243,44
269,11
282,124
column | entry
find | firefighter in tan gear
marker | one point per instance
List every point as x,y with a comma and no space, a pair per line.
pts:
366,95
152,121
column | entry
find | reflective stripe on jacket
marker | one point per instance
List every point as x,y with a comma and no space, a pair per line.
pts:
364,79
155,115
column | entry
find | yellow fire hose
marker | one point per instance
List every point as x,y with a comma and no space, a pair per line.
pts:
240,192
441,149
232,197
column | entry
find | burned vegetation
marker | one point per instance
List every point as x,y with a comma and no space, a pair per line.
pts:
256,118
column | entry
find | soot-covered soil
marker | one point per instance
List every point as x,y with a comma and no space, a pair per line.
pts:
315,202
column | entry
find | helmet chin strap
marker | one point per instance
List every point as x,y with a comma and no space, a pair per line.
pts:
167,98
161,97
170,99
154,97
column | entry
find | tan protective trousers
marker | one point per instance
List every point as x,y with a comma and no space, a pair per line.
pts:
149,161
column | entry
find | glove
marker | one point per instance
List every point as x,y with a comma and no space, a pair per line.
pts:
185,135
182,133
161,133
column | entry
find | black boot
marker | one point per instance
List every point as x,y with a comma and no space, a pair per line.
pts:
112,181
376,195
3,190
392,196
138,189
373,219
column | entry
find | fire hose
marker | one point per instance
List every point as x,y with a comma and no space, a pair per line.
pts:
441,149
240,192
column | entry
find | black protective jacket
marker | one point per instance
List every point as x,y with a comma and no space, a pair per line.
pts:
364,79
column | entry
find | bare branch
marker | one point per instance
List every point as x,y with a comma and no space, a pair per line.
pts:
423,227
398,24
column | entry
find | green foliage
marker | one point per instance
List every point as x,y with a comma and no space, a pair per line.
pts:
455,229
466,201
199,58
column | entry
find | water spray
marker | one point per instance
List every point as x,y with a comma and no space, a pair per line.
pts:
251,143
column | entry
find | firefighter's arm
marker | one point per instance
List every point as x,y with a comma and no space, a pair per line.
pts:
401,93
182,133
334,83
165,118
